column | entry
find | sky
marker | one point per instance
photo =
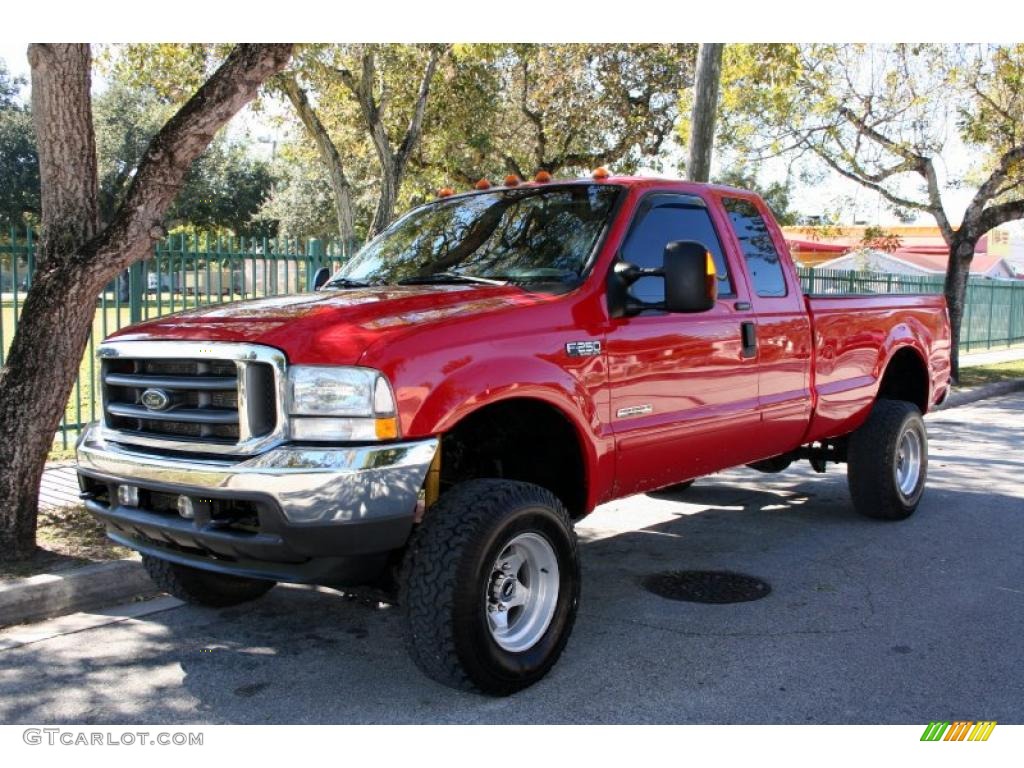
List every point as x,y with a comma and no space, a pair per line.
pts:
858,203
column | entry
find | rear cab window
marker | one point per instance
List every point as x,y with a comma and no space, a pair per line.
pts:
762,258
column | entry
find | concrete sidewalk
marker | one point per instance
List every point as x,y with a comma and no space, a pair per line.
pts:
992,356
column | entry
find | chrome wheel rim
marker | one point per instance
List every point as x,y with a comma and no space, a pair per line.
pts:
522,592
908,462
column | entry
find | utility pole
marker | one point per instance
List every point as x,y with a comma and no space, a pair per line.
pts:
705,105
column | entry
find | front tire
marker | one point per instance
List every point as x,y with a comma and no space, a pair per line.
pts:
490,586
199,587
887,461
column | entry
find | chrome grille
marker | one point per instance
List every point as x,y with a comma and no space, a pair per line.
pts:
225,401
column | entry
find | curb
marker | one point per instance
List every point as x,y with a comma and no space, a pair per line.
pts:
94,586
985,391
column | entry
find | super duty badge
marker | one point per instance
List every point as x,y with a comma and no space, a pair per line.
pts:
583,348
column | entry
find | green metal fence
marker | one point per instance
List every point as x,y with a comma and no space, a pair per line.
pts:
993,313
185,271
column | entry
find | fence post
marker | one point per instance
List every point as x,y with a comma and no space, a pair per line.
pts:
1011,323
991,312
315,260
135,292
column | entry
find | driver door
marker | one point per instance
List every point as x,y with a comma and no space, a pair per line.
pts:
684,387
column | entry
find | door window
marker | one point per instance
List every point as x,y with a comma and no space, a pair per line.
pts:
666,219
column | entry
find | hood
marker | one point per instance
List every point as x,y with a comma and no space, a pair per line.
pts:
333,326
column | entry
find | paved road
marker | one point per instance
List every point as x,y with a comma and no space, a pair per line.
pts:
867,622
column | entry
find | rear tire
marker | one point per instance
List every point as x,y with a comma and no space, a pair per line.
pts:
490,586
887,461
199,587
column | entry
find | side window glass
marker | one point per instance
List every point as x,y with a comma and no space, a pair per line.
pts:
663,223
759,251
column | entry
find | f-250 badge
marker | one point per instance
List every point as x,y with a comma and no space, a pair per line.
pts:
583,348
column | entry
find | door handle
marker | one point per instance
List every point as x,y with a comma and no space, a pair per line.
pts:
748,333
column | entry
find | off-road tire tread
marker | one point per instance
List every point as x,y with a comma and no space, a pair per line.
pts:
215,590
429,582
868,471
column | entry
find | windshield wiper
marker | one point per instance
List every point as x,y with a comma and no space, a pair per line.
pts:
450,277
344,282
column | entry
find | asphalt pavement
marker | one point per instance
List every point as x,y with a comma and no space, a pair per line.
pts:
866,622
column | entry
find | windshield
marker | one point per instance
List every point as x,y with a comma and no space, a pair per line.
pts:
517,235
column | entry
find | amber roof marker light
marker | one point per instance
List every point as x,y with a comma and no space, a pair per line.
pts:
445,192
482,184
542,177
601,173
512,180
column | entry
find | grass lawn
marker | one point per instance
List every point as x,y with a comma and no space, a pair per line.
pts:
986,374
80,407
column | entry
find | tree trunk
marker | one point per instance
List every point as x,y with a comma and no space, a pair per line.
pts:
329,155
75,262
37,377
390,183
705,105
958,271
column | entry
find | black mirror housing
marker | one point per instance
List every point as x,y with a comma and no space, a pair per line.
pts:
691,282
321,276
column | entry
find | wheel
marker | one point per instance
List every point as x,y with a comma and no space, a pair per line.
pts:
887,461
490,586
200,587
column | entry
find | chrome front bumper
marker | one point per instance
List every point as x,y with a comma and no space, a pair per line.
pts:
311,486
313,502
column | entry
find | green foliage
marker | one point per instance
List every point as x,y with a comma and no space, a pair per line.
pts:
776,194
168,72
301,203
19,165
225,187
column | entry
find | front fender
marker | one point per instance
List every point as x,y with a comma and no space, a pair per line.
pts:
483,383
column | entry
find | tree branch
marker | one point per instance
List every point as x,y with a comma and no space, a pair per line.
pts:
990,187
412,133
892,198
1000,214
162,170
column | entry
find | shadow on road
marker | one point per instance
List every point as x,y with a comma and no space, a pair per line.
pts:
866,622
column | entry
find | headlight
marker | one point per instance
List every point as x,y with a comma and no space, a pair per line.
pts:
328,403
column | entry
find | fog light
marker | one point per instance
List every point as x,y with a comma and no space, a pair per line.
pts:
185,508
128,495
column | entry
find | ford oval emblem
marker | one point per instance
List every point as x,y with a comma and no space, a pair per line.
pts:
156,399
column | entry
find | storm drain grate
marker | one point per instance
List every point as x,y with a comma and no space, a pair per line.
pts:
706,586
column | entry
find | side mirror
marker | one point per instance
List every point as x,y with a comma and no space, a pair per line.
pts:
691,279
321,276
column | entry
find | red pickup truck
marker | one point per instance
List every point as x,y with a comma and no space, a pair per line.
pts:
438,414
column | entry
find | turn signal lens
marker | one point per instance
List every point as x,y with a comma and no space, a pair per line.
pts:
712,276
387,429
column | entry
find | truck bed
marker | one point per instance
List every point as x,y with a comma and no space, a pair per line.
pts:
854,336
